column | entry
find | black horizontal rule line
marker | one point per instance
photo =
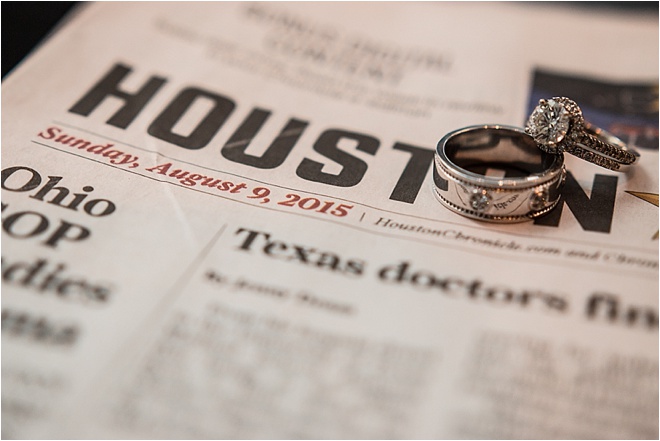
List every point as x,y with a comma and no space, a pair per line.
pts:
472,250
427,219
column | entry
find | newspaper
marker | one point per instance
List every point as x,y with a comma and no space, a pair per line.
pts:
218,222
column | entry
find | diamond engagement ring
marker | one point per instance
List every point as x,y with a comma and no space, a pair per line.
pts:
557,126
497,174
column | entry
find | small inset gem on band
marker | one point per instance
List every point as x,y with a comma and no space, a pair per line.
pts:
480,200
539,199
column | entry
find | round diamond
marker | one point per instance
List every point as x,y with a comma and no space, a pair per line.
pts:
549,123
539,199
479,200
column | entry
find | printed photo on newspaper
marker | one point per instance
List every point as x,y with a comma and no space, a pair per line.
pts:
332,220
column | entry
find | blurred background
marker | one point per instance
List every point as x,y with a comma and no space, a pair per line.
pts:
25,24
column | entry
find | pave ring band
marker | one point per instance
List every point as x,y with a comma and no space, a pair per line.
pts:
496,173
557,125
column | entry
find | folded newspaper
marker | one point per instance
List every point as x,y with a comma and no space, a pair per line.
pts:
218,221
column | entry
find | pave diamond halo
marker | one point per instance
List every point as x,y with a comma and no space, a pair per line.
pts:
557,126
549,124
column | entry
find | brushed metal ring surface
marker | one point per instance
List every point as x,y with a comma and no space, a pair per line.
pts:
496,173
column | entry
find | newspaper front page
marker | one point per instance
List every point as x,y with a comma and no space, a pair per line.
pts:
218,222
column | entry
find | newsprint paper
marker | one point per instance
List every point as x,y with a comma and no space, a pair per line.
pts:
218,222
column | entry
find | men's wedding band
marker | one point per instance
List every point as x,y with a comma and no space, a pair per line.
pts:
557,126
496,173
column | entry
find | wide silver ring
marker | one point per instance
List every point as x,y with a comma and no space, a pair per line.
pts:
496,173
557,126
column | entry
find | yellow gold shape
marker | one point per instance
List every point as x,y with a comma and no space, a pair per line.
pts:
651,198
